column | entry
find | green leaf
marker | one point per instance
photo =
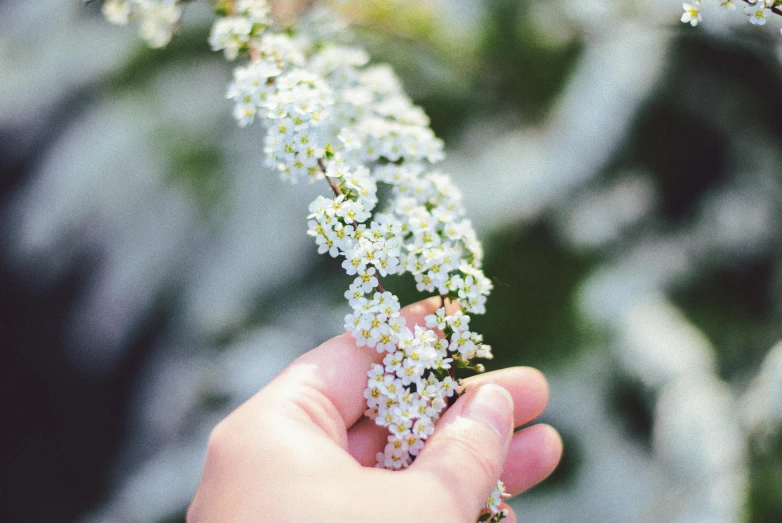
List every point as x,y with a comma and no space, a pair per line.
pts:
461,364
440,374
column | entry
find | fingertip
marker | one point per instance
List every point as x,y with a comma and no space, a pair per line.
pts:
531,393
533,455
538,381
528,387
553,445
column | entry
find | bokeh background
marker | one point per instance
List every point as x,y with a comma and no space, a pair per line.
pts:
623,170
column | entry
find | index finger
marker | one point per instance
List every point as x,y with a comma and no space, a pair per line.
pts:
337,369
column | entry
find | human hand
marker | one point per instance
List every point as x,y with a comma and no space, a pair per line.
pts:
301,450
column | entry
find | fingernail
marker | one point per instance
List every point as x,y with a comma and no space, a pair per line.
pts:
492,405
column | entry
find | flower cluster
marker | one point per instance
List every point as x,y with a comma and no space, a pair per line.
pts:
233,34
756,10
157,19
330,115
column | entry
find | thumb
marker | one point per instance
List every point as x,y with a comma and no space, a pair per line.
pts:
465,455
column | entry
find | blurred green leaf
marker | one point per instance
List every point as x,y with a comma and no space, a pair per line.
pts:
531,317
196,164
735,307
766,481
518,67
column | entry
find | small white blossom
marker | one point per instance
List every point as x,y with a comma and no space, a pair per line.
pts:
756,13
230,34
459,322
692,13
117,11
437,319
256,11
157,21
423,427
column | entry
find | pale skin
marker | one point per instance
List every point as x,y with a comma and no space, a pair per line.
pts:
300,450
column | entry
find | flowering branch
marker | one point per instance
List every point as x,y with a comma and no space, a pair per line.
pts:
771,7
328,114
756,10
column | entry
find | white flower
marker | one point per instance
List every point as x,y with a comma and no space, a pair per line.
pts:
256,11
355,297
692,14
282,48
332,58
400,425
423,427
386,303
437,319
393,458
376,373
495,498
423,408
458,321
414,443
393,362
363,336
484,351
230,34
386,339
251,90
367,279
157,22
351,321
756,13
441,347
373,396
354,261
117,11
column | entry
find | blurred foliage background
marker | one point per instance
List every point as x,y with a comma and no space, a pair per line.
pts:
623,171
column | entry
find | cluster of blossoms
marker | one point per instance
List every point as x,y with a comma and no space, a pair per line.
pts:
756,10
158,19
331,116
